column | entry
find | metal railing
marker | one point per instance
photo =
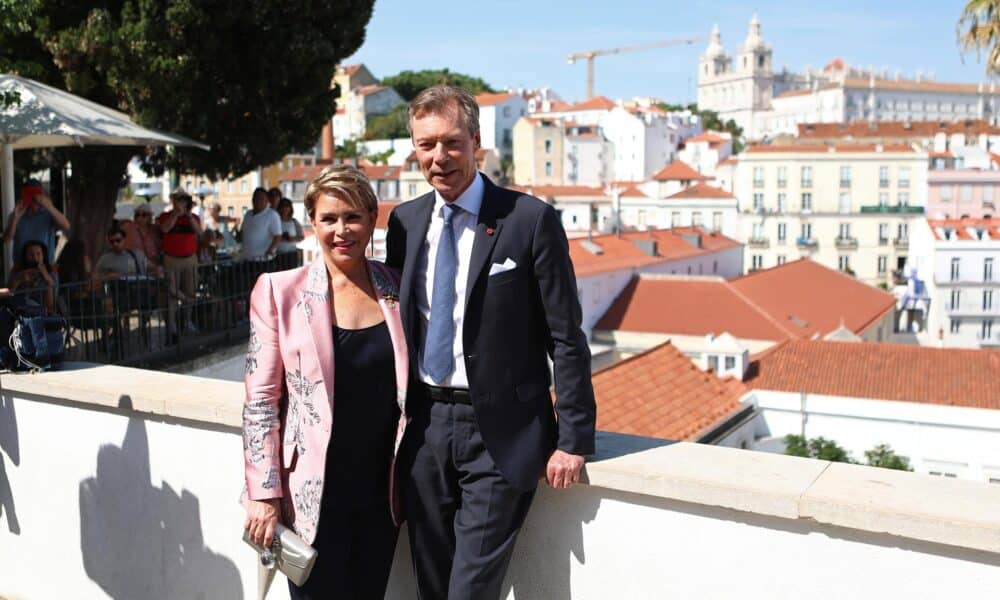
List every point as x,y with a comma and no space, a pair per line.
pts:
146,320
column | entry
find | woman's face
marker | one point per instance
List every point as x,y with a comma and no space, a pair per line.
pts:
286,211
342,231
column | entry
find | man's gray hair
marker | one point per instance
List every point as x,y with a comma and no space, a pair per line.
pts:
441,99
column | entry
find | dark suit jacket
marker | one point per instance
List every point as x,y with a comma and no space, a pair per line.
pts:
513,322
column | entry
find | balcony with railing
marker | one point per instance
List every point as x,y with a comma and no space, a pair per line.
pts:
893,209
807,243
149,320
758,242
846,243
901,243
123,483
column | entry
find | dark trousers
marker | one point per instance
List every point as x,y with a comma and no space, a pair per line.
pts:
355,549
463,515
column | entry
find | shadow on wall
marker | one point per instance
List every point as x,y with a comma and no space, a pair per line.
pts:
9,446
141,541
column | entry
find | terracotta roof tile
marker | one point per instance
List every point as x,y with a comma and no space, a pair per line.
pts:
707,136
381,171
662,394
679,171
795,300
595,103
384,210
493,99
895,129
962,226
633,192
701,190
953,377
621,253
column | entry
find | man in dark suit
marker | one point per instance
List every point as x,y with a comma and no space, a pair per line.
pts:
487,295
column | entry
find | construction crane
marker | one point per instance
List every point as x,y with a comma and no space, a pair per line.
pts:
590,55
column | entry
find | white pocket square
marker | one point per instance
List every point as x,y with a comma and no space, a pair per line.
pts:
507,265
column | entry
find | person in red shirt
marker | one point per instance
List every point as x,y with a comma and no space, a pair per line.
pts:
181,230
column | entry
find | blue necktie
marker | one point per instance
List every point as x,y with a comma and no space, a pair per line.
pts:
439,354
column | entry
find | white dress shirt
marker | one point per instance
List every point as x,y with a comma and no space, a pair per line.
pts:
464,225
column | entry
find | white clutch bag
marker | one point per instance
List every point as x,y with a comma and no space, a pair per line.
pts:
288,554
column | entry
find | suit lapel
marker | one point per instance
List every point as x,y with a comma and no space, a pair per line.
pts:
388,300
316,300
487,232
415,240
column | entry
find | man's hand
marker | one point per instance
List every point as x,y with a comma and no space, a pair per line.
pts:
262,519
563,470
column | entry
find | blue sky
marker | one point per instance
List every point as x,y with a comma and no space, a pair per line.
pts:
525,43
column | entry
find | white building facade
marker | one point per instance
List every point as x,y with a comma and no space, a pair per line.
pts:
497,115
846,207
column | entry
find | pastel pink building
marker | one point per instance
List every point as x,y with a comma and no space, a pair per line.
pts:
957,193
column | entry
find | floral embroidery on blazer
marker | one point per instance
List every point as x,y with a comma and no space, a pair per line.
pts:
288,411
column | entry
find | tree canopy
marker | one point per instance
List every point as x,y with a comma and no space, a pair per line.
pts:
251,79
821,448
710,121
408,84
979,31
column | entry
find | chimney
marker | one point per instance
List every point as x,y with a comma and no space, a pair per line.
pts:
328,146
647,246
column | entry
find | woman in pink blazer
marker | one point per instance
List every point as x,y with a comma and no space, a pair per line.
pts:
326,375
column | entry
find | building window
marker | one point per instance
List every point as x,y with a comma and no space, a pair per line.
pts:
883,261
965,194
230,188
548,146
987,329
229,211
955,325
845,176
956,299
903,199
548,167
715,266
843,262
883,199
987,195
883,177
758,201
807,231
781,202
845,231
730,363
757,262
904,177
956,267
988,269
758,177
244,186
716,221
782,177
782,232
713,363
987,299
903,232
845,202
675,219
807,177
758,231
781,259
807,201
883,234
696,218
945,193
413,189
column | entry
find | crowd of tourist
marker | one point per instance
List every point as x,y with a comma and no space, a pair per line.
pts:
139,252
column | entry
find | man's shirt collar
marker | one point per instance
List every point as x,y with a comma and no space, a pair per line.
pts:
471,200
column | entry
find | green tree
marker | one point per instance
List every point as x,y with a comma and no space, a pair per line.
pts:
883,456
819,448
710,121
251,79
410,83
979,31
387,126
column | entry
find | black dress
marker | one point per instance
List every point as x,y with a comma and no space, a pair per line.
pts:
356,538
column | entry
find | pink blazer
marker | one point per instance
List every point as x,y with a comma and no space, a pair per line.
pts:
288,410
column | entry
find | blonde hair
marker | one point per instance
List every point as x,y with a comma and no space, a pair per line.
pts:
348,183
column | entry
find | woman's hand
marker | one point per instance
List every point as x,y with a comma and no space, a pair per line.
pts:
262,519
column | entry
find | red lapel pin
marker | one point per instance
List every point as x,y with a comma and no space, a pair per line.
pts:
489,231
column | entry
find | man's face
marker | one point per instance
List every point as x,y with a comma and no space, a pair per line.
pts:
116,242
260,201
445,150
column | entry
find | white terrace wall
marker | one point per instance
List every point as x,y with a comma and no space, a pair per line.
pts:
122,483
